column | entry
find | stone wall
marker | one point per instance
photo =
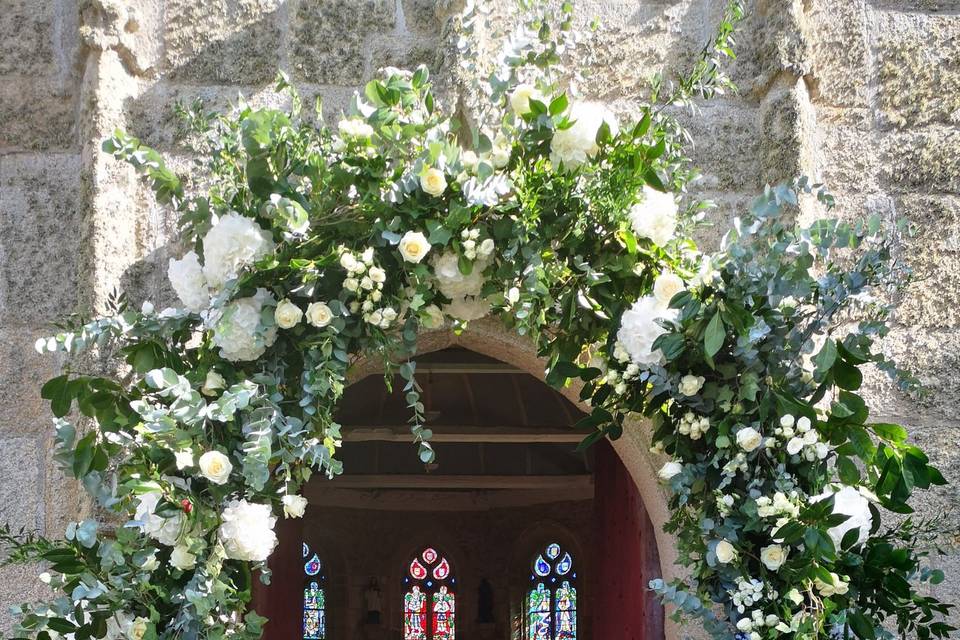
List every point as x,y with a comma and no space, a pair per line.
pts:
861,93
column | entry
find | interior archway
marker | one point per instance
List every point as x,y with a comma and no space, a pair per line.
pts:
508,479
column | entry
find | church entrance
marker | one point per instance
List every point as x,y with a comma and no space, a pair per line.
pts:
512,534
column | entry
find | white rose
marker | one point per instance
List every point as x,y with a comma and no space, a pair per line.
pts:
186,277
294,506
212,383
351,284
690,384
378,275
639,329
500,154
794,446
181,558
164,530
655,216
137,629
576,144
348,262
794,596
787,421
520,98
414,246
319,314
184,459
232,244
725,552
749,439
669,470
433,181
215,467
666,286
849,502
744,624
246,531
803,424
287,314
469,159
773,556
431,317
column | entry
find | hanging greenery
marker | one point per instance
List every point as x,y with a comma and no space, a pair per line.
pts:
311,246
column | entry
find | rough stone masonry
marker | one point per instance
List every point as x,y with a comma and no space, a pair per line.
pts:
864,94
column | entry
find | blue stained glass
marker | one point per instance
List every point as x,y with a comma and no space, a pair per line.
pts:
540,567
566,612
553,550
312,567
565,564
314,613
306,550
538,613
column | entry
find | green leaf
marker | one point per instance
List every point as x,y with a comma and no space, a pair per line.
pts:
827,356
849,474
714,336
847,376
861,625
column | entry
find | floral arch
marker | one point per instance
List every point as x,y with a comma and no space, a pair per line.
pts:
312,246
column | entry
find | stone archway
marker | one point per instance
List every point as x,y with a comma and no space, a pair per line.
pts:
635,479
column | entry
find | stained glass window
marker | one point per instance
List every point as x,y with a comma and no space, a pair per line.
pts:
314,596
551,606
429,601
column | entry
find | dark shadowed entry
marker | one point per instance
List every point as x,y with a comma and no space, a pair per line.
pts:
508,488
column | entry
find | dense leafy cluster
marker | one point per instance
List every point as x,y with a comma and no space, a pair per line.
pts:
309,246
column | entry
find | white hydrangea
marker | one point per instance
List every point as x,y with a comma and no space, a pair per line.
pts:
164,530
655,216
239,331
186,277
578,143
467,308
850,502
233,243
451,282
246,531
639,328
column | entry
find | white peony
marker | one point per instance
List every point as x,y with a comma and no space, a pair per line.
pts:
433,181
850,502
749,439
669,470
520,98
414,246
239,332
215,467
182,559
234,243
578,143
725,552
319,314
690,384
666,286
163,530
639,328
212,383
246,531
773,556
287,315
655,216
186,277
294,506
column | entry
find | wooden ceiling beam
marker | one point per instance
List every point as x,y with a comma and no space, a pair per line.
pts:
504,435
570,483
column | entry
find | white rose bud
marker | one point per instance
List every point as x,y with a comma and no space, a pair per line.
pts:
348,262
181,558
803,424
486,247
666,286
215,467
773,556
366,283
378,275
213,383
287,314
433,181
786,421
319,314
414,246
690,384
351,284
749,439
725,552
744,624
521,96
294,506
669,470
794,446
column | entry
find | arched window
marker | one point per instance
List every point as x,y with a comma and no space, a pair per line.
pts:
314,596
551,604
429,599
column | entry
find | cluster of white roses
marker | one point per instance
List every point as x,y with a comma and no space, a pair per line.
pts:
288,315
641,325
779,505
472,250
801,438
619,381
232,244
365,281
693,425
